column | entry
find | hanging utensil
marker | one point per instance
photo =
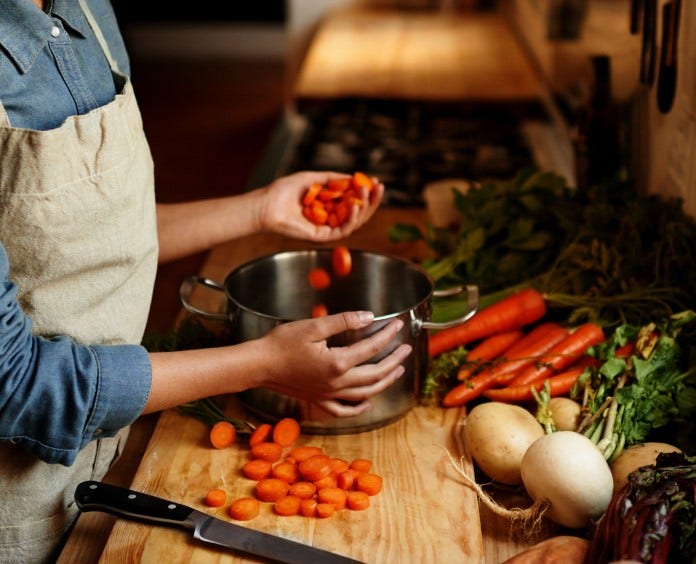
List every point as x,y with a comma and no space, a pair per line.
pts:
647,63
637,7
667,78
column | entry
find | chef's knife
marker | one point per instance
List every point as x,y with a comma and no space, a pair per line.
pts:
667,78
98,496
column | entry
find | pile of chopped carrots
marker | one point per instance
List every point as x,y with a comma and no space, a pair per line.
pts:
319,278
511,357
298,479
331,203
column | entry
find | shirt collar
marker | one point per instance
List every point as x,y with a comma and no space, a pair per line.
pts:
24,28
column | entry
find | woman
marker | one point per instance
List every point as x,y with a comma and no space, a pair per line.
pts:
80,237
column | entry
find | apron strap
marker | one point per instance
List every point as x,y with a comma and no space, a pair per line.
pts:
98,33
4,120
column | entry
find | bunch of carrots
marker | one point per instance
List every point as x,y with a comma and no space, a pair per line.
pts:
512,357
331,203
296,479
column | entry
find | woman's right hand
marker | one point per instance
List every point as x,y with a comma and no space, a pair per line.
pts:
298,362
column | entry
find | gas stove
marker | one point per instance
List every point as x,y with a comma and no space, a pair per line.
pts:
408,143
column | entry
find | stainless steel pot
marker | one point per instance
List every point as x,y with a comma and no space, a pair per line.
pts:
274,289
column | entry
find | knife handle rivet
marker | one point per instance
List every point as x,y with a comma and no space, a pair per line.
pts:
171,506
131,496
93,486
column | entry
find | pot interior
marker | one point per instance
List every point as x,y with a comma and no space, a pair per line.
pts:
277,285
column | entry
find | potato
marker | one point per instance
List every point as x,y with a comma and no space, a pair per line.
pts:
565,413
497,435
634,457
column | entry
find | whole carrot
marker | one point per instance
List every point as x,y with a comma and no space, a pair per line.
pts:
559,385
512,312
522,353
488,349
562,355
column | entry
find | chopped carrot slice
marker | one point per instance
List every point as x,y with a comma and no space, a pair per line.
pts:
329,481
325,510
346,480
340,184
215,498
287,505
319,310
286,432
303,452
222,434
286,471
308,507
341,260
244,508
261,434
357,500
338,465
267,451
361,465
335,496
319,278
315,467
271,489
303,490
311,193
257,469
371,484
361,180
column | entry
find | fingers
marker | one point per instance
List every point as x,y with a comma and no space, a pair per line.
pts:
366,380
325,327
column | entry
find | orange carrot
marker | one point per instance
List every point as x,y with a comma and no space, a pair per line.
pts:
346,480
215,498
319,278
341,260
562,355
512,312
303,490
338,465
488,349
287,505
261,434
244,508
271,489
625,351
308,507
257,469
311,193
319,310
286,432
303,452
357,501
222,434
315,467
522,353
335,496
330,481
559,385
361,465
325,510
361,180
267,451
371,484
286,471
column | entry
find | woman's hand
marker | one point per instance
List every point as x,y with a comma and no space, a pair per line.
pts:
281,209
305,367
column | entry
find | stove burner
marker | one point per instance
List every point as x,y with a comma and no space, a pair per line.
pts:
408,144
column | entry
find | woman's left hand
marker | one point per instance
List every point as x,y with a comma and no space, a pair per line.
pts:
281,210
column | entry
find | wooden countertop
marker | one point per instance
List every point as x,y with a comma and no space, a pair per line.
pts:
424,514
432,55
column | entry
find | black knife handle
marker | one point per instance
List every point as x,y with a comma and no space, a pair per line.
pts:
98,496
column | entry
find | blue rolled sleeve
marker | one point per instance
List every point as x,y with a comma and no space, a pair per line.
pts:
56,395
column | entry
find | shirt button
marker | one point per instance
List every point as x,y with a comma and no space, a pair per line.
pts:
55,31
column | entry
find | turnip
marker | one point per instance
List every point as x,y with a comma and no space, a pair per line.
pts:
567,470
565,475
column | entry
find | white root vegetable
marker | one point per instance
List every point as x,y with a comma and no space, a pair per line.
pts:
568,471
635,457
497,435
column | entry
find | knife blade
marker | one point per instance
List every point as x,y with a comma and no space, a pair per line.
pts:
139,506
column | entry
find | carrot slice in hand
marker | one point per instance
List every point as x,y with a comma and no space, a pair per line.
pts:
244,508
341,260
222,434
319,278
286,432
215,498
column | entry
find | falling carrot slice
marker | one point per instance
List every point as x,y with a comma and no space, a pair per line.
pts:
341,260
319,278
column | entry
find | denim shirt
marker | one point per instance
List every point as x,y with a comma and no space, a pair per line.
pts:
57,395
51,64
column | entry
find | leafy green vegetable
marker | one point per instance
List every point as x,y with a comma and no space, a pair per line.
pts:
627,398
441,375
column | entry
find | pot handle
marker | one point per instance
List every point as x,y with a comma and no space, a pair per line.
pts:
185,296
472,294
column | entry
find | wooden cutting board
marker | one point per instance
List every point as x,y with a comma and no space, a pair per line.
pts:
424,514
440,55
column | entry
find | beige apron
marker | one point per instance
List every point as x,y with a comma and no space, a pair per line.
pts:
77,217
